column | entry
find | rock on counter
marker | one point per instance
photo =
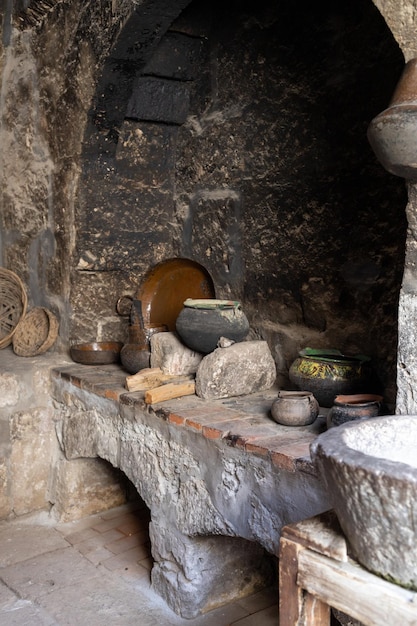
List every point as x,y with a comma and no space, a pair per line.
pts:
242,368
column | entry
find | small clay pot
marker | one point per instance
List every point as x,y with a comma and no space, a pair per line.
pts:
353,407
295,408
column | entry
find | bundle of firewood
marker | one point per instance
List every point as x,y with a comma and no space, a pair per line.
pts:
159,386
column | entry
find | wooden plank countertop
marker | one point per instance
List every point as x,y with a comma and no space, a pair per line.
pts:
243,422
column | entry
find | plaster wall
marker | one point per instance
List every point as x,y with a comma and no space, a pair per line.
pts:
34,473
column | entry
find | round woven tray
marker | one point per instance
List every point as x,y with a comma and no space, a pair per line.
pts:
36,332
13,303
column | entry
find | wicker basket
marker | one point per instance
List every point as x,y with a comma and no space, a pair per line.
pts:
36,332
13,303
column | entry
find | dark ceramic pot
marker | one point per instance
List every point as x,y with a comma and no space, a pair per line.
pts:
328,373
135,354
354,407
201,323
135,357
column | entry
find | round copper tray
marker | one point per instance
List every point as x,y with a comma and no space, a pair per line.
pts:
167,285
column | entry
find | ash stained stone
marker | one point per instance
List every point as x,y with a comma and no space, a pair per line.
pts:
243,368
159,100
172,356
213,230
176,57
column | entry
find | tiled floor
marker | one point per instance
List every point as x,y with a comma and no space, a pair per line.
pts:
96,572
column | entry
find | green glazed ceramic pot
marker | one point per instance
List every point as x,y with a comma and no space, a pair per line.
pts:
328,373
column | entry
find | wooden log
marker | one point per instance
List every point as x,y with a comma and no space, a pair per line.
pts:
170,391
321,533
290,594
151,377
316,612
355,591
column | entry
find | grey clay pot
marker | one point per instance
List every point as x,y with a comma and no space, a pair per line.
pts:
295,408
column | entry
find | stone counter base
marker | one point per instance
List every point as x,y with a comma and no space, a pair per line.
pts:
220,478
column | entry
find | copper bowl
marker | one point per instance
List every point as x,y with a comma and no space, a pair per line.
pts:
96,353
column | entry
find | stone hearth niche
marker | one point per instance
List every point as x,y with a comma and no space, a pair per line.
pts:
236,136
226,132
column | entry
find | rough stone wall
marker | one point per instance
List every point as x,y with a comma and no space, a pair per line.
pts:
278,192
125,211
26,426
134,133
401,18
407,345
400,15
49,60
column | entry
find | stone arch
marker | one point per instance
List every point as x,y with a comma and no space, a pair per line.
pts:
125,134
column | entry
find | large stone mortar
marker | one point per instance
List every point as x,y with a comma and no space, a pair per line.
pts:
369,468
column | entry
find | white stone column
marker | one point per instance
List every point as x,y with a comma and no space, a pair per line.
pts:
407,318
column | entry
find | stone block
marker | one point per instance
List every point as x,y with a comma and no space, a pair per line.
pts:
176,57
242,368
213,231
172,356
87,434
285,342
198,574
86,486
5,444
159,100
9,389
42,385
5,504
33,446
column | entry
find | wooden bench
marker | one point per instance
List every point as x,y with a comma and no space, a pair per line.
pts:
316,573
